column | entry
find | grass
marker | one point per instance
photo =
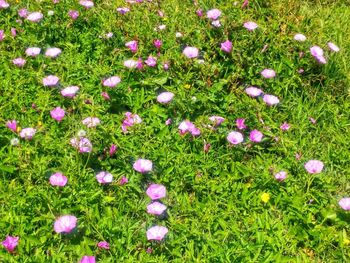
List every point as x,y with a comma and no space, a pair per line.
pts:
215,212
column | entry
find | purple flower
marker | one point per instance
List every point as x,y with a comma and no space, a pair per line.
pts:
123,180
10,243
2,35
35,17
33,51
268,73
91,122
165,97
156,191
190,52
50,81
317,53
111,82
255,136
314,166
53,52
130,63
166,66
23,12
245,4
299,37
235,137
130,120
88,259
156,233
103,244
270,99
216,23
253,91
285,126
104,177
280,176
240,124
105,95
226,46
58,179
132,45
250,25
13,32
199,12
345,203
213,14
19,62
157,43
151,61
87,4
168,121
217,120
65,224
70,92
27,133
123,10
57,113
156,208
12,125
143,166
333,47
112,150
82,144
3,4
74,14
187,126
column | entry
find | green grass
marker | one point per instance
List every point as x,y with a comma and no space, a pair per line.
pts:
215,213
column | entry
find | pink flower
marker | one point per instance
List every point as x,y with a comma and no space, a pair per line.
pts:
165,97
87,4
3,4
13,32
156,191
235,137
299,37
298,156
156,208
270,99
268,73
2,35
166,66
82,144
123,180
104,177
206,147
240,124
168,121
156,233
112,150
10,243
50,81
130,120
58,179
143,166
111,82
130,63
312,120
199,12
253,91
19,62
57,113
23,12
33,51
345,203
65,224
250,25
12,125
103,244
123,10
333,47
157,43
190,52
217,120
213,14
27,133
317,53
226,46
285,126
70,91
245,4
280,176
74,14
53,52
35,17
132,45
187,126
151,61
88,259
255,136
216,23
105,95
314,166
91,122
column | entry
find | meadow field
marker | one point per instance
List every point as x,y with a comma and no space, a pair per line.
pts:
174,131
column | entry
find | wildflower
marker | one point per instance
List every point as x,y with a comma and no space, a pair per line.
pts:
50,81
53,52
191,52
10,243
217,120
165,97
280,176
58,179
2,35
57,113
168,121
123,180
23,12
104,177
216,23
14,142
91,122
253,91
213,14
13,32
81,133
156,208
109,35
285,126
166,66
317,53
35,17
299,37
70,91
111,82
206,147
33,51
345,203
143,166
255,136
112,150
82,144
312,120
12,125
130,63
270,99
250,25
88,259
157,43
298,156
103,244
199,12
74,14
151,61
161,27
240,124
87,4
50,13
245,4
132,45
226,46
235,137
65,224
105,95
187,126
3,4
27,133
130,120
156,191
123,10
265,197
314,166
19,62
268,73
157,233
178,35
333,47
